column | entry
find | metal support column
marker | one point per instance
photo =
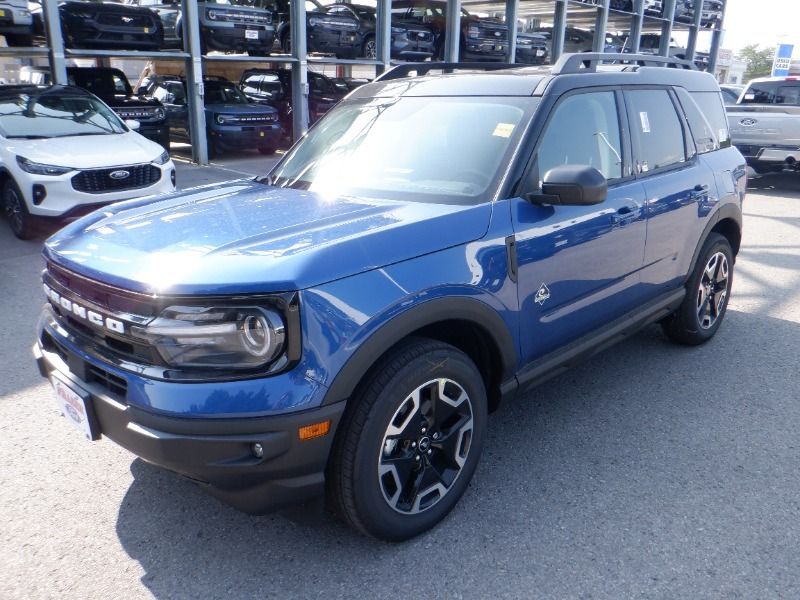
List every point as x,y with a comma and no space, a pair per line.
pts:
637,20
559,29
512,10
716,41
194,83
600,26
452,36
666,27
384,34
58,63
297,19
694,30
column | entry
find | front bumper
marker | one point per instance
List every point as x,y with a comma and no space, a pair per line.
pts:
214,452
344,44
235,37
62,199
531,55
250,136
479,50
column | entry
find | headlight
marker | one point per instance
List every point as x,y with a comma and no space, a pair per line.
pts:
162,159
313,21
221,120
524,42
225,337
398,29
213,14
39,169
159,113
473,31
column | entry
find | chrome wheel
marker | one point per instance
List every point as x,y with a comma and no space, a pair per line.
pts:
371,49
712,291
14,210
425,446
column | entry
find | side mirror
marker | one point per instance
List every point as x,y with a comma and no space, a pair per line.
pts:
571,185
132,125
141,91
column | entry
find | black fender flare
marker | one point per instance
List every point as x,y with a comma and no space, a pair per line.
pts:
729,210
427,313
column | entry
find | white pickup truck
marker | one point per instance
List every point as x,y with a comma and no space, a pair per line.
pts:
765,124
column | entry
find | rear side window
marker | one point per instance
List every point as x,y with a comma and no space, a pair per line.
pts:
584,130
714,111
704,137
658,129
773,92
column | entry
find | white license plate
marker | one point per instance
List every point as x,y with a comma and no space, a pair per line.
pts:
73,407
251,34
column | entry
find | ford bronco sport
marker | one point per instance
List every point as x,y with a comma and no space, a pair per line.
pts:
347,322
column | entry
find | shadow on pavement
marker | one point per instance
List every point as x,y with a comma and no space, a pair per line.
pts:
651,456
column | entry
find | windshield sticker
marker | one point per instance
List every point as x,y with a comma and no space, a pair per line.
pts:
503,130
645,122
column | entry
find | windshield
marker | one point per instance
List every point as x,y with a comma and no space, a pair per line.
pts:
424,149
53,115
223,93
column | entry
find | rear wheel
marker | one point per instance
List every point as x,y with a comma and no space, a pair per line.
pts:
707,294
19,219
370,49
410,442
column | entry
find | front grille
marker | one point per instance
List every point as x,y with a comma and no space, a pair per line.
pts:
124,20
141,114
249,118
100,181
114,384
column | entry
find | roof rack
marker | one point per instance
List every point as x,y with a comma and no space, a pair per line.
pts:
587,61
420,69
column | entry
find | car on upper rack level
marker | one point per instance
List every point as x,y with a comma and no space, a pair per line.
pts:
64,153
443,239
337,34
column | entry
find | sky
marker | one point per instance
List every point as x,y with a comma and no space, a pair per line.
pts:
765,22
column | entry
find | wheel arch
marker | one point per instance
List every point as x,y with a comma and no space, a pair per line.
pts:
727,221
470,325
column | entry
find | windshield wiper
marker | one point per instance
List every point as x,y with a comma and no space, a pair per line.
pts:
85,133
26,137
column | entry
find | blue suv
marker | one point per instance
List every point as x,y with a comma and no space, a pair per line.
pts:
346,323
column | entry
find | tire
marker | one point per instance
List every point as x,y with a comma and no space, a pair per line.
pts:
19,40
370,49
387,476
707,294
16,212
266,150
286,43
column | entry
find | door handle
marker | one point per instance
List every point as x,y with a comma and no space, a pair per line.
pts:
625,214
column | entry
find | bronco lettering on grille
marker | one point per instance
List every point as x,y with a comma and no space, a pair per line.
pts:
83,313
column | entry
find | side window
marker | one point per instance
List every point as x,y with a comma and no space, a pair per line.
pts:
120,86
656,125
772,92
584,130
714,110
250,85
704,137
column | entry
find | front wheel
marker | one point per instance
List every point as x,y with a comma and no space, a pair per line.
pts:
707,294
19,219
370,49
410,442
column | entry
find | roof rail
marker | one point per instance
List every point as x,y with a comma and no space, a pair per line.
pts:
587,61
423,68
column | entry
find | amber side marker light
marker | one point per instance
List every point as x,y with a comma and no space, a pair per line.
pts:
315,430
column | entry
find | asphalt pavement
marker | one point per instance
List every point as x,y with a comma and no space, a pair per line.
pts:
650,471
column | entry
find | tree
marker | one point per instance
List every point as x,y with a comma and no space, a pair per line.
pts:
759,61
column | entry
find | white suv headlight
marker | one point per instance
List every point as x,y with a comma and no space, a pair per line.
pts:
40,169
162,159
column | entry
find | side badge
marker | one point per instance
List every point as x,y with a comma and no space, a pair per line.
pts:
542,295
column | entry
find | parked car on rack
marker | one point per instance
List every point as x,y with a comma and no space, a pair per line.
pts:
481,39
765,124
106,25
226,25
273,87
436,245
580,40
339,35
113,88
232,121
63,153
410,40
531,49
650,43
16,22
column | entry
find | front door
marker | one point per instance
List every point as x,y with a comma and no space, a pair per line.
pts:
579,266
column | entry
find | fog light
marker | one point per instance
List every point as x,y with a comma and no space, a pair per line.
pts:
258,450
39,194
315,430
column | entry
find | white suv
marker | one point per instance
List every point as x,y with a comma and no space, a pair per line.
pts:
64,153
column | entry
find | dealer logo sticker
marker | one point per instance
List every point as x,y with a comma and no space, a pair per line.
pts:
542,295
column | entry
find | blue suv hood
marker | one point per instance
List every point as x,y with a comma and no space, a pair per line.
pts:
236,109
246,237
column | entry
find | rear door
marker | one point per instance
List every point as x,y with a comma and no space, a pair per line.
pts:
680,187
578,266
